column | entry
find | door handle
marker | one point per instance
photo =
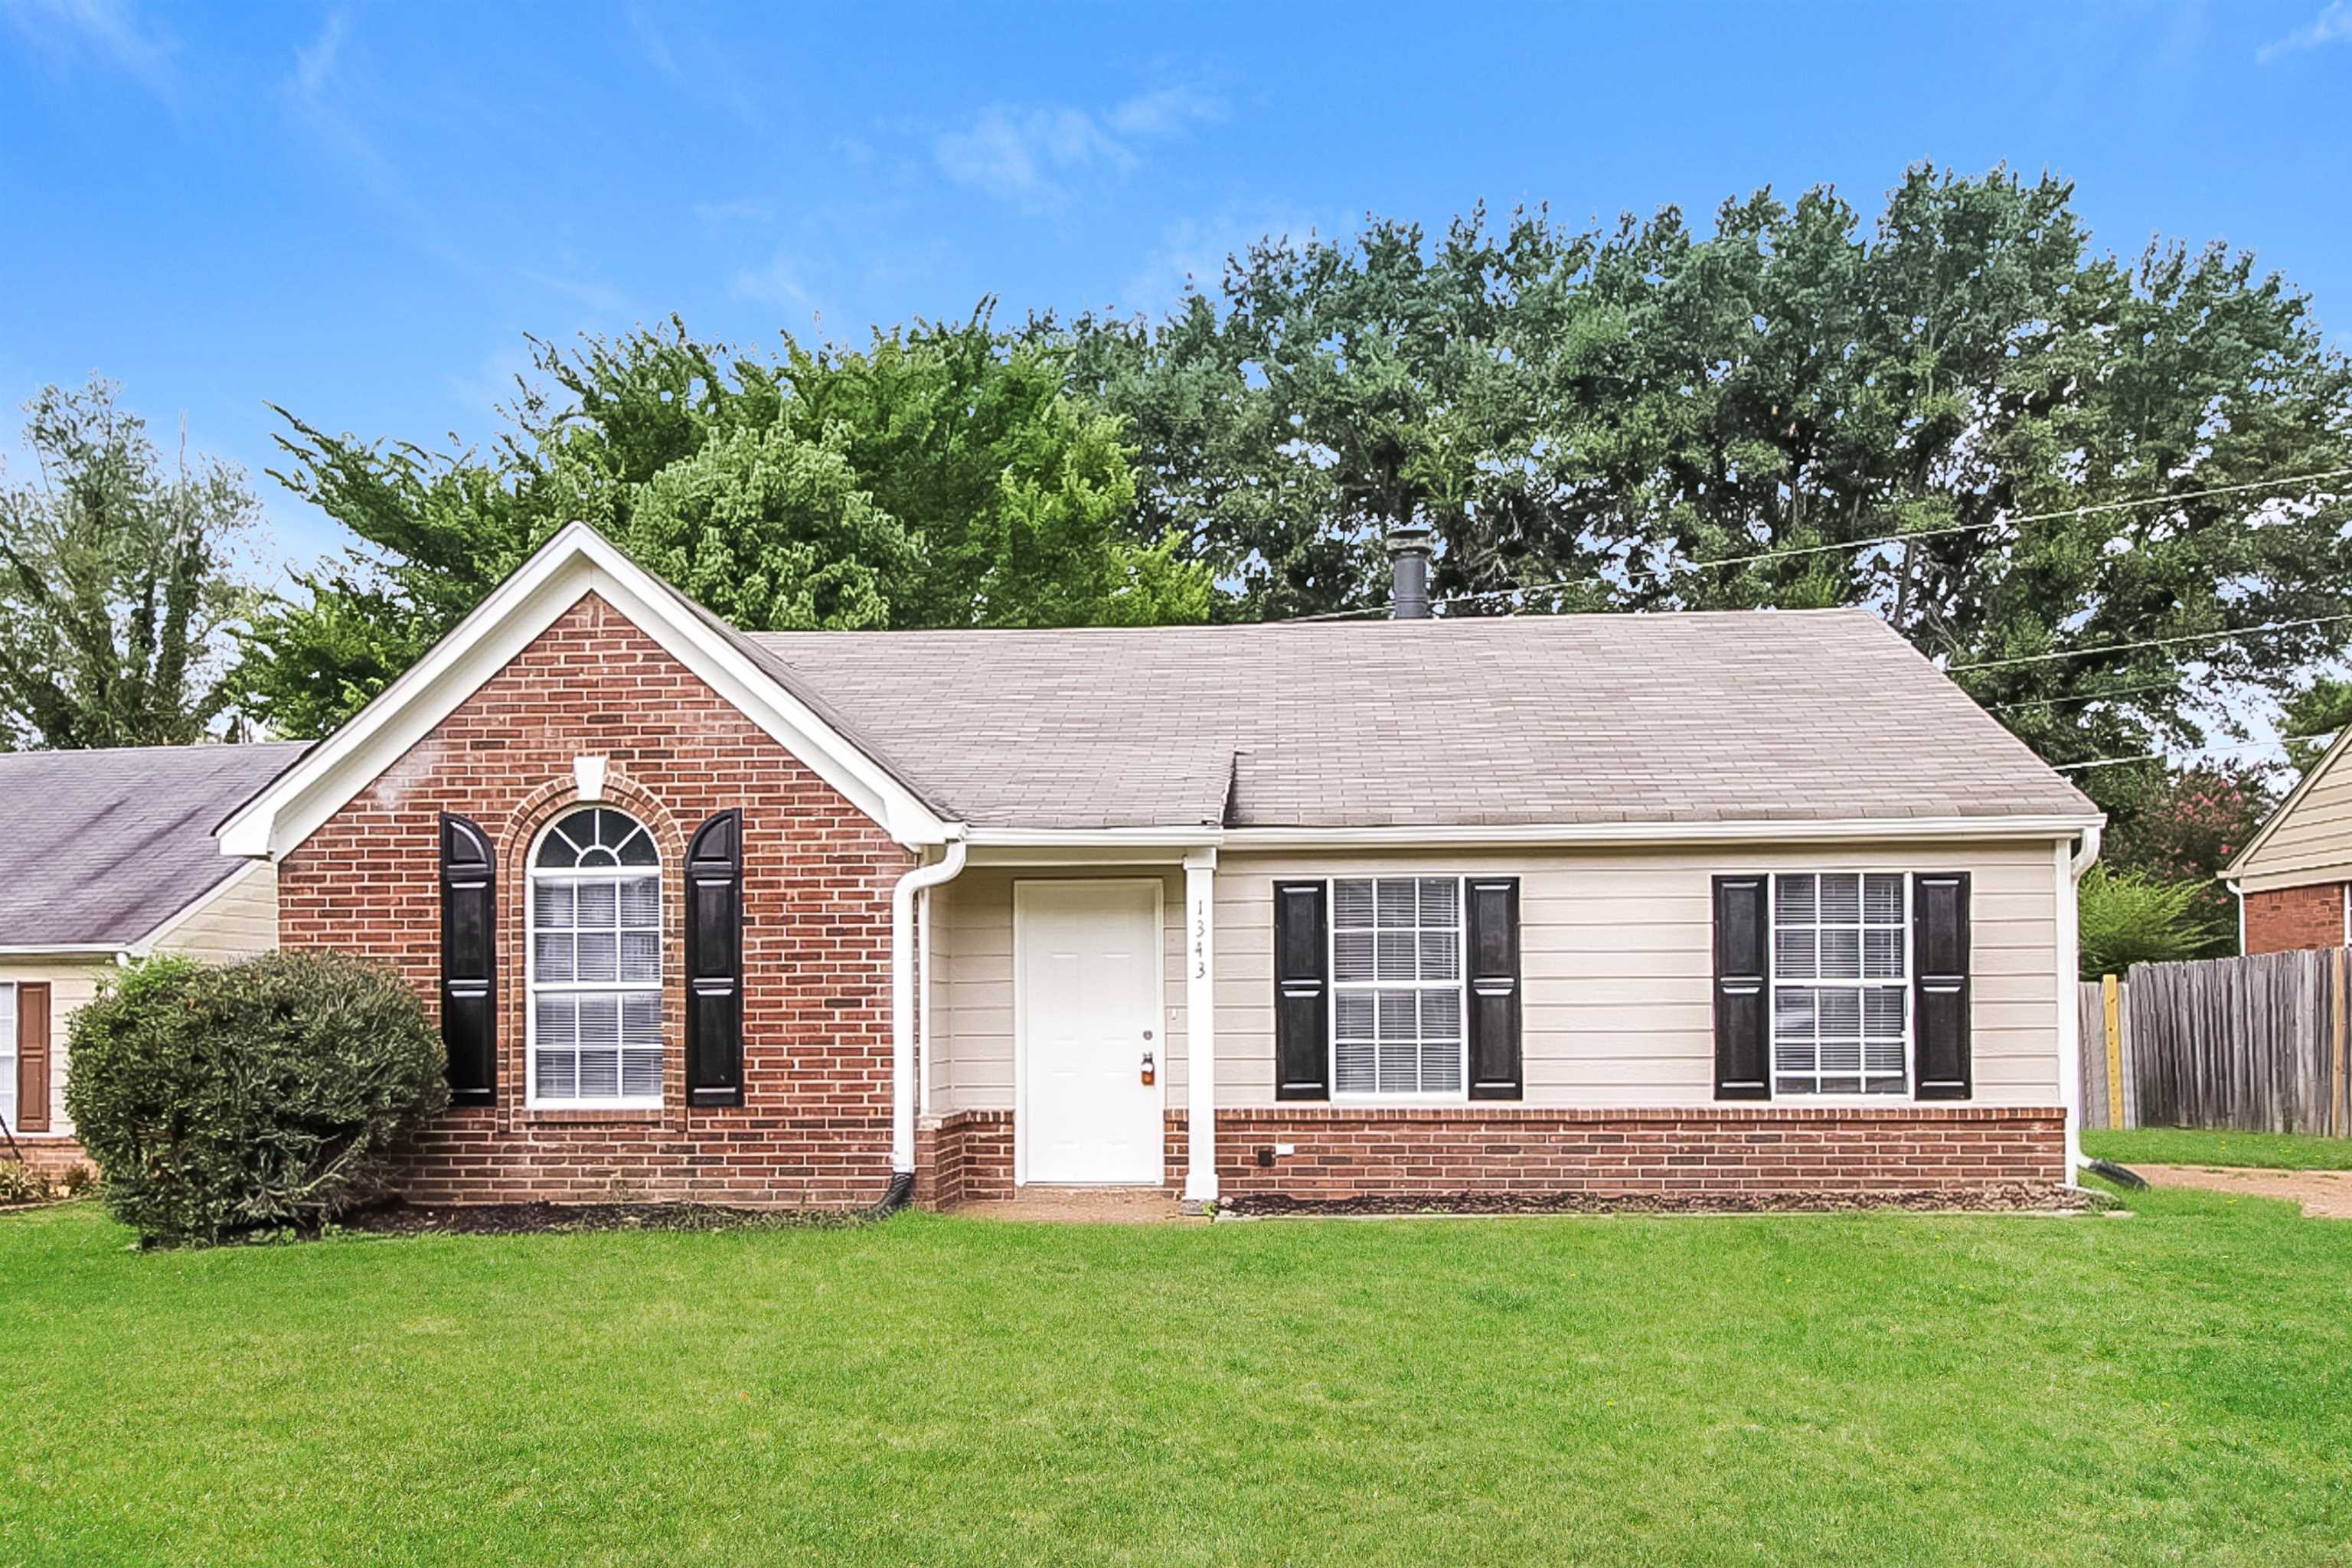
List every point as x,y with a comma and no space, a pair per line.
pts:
1151,1072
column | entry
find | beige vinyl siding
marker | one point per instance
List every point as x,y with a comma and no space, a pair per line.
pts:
71,985
1617,960
2311,840
1617,964
235,920
971,981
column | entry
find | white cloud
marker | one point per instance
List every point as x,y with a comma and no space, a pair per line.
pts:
2332,25
314,64
1191,254
1025,153
1166,112
572,282
110,30
776,282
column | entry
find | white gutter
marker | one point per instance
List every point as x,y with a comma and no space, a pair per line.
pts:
1777,830
110,950
902,995
2070,1017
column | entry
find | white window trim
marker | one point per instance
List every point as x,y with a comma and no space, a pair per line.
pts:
1910,1095
8,1054
1460,983
533,877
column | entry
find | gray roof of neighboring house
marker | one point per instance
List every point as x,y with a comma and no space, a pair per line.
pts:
100,847
1739,716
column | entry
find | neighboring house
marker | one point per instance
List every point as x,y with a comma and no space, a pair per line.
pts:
2293,877
1666,905
105,856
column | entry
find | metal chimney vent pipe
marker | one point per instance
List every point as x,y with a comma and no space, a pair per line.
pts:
1408,566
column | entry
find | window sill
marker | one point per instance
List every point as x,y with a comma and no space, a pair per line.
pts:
641,1111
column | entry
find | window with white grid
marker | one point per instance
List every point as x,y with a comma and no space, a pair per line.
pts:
1841,983
596,962
1396,986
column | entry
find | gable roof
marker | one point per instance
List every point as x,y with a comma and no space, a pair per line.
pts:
2318,803
1802,716
1658,727
576,563
102,848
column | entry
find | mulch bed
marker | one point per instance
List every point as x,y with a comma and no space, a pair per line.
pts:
2019,1199
529,1220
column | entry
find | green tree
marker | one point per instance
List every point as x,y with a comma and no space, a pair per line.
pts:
117,586
1588,419
941,477
2129,917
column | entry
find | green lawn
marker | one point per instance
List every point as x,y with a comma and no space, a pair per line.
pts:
2191,1146
1868,1389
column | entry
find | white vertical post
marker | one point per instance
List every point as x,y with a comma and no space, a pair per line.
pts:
1199,1026
2071,862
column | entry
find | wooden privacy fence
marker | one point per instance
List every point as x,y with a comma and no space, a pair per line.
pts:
2255,1044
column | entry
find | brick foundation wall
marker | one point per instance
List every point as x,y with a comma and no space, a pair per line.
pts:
966,1157
2285,919
814,1129
1678,1152
53,1158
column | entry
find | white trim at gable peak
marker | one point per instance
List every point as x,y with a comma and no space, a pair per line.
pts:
574,564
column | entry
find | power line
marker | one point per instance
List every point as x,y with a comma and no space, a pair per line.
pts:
2082,696
2194,751
2146,642
1853,544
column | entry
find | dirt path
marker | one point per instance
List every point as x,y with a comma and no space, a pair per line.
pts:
2323,1195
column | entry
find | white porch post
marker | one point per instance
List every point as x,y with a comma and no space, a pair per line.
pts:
1199,1026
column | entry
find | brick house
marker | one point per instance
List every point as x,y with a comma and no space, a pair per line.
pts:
1658,905
2293,877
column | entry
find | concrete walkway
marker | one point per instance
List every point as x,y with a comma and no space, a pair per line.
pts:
1084,1205
2323,1195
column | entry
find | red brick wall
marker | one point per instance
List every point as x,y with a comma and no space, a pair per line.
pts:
53,1158
2285,919
815,1125
966,1157
1707,1150
1725,1152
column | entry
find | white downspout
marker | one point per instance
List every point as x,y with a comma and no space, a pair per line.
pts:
902,995
2070,1021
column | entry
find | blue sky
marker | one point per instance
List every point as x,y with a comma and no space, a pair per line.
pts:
357,211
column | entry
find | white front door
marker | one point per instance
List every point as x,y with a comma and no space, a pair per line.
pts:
1086,956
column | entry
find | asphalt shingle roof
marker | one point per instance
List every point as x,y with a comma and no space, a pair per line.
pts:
1792,715
103,847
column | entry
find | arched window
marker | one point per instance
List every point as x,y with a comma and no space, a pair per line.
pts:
595,977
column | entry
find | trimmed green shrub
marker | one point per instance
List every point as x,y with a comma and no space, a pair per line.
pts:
262,1096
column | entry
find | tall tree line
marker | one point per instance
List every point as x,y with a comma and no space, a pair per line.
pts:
2071,477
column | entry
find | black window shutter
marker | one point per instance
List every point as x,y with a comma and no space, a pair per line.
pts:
1494,976
470,961
1743,988
1939,985
714,961
1302,992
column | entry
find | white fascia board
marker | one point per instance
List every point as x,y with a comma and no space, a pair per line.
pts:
107,950
1780,830
193,907
575,563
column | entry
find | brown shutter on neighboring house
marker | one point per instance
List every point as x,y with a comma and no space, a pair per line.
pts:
1494,979
1743,988
470,961
1302,992
1939,985
714,961
33,1057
